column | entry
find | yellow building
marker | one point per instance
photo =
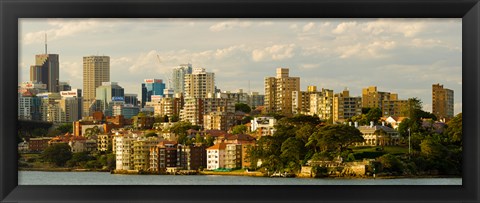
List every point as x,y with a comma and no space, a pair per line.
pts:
301,100
96,69
322,104
278,92
442,102
345,107
386,101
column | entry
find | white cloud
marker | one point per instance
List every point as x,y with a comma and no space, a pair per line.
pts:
275,52
308,26
408,28
62,29
343,27
227,25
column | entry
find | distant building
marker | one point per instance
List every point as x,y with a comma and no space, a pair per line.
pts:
29,106
372,138
387,102
265,126
64,86
199,83
96,69
106,93
442,102
131,99
151,87
46,71
321,104
345,106
278,92
178,77
301,100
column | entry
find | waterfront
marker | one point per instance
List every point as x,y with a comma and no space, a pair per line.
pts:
105,178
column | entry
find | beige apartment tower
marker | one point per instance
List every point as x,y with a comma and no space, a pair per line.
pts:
386,101
199,83
96,69
345,106
278,92
442,102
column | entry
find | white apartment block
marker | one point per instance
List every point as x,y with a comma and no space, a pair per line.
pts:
216,156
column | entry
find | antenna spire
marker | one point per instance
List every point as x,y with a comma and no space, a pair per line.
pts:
46,43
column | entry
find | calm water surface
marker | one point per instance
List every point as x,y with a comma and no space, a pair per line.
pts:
103,178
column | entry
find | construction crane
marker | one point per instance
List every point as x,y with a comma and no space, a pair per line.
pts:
169,81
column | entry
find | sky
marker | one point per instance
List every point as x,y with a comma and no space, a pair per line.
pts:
404,56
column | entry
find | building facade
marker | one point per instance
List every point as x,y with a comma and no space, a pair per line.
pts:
345,106
278,92
107,93
46,71
199,83
442,102
96,69
178,77
151,87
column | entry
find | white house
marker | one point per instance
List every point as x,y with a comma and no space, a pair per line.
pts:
216,156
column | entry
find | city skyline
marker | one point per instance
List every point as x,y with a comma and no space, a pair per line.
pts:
401,56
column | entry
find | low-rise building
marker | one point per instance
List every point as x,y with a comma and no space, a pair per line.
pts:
264,126
373,136
216,156
38,144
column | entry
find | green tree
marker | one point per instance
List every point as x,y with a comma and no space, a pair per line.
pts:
65,128
92,132
239,129
291,150
374,115
242,107
390,163
454,129
57,154
79,159
413,105
383,137
334,138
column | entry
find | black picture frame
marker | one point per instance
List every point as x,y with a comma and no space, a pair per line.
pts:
12,10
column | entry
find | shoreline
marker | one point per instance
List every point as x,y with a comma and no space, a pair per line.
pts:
250,174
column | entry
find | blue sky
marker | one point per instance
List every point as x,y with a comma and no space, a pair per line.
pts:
405,56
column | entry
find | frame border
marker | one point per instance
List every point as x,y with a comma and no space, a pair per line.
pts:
12,10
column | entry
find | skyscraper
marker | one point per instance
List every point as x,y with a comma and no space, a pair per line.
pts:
178,77
199,83
96,69
278,92
151,87
106,93
442,102
46,71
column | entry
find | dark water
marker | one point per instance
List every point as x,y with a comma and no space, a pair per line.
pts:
102,178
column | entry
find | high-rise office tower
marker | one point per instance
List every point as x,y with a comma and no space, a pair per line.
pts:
199,83
278,92
442,102
151,87
46,71
107,93
178,77
96,69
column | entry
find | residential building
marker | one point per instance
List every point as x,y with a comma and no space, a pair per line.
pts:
151,87
104,142
256,99
141,152
192,111
233,156
163,156
301,100
345,106
278,92
218,120
264,126
321,104
216,156
192,157
387,102
123,149
49,108
442,102
199,83
178,77
96,70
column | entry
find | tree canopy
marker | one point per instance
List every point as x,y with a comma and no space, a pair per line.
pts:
57,154
243,107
